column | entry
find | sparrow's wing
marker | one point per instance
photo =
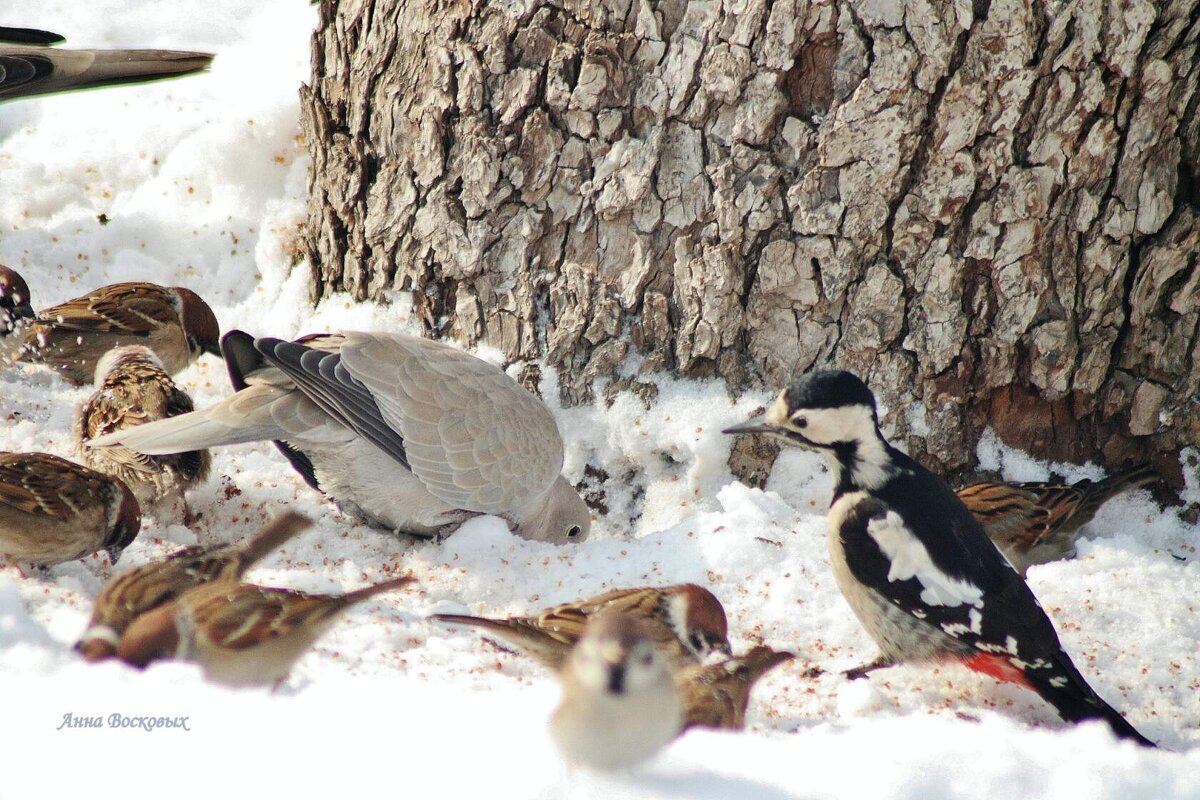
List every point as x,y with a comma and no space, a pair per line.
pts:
241,616
28,66
1013,516
37,483
131,309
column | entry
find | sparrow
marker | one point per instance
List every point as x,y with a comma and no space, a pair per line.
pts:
53,510
619,705
29,66
686,623
240,634
717,695
72,337
1034,523
413,435
914,564
132,388
142,589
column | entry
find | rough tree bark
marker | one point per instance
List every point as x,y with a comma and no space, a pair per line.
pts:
992,206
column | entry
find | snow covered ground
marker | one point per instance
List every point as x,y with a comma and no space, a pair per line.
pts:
202,183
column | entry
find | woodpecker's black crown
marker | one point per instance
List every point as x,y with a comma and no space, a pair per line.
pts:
829,388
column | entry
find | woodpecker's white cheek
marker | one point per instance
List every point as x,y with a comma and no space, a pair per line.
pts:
908,558
829,425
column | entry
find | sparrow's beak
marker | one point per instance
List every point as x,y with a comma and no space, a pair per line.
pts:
25,311
214,350
752,427
616,678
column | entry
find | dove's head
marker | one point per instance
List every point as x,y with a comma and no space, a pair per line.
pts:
560,518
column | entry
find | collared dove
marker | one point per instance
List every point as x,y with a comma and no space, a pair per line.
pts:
411,433
30,66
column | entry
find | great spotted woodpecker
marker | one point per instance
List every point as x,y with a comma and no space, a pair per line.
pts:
915,566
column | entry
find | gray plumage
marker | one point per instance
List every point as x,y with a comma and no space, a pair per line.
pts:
411,433
30,66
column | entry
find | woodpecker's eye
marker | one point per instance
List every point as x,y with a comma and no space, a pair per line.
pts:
573,532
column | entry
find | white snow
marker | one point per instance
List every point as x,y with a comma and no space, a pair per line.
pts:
202,181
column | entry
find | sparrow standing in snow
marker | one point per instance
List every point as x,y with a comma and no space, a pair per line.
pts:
413,434
239,633
142,589
1033,523
132,388
915,566
52,510
686,622
717,695
29,66
72,337
619,703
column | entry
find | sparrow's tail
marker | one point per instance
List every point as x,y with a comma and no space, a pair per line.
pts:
29,67
1100,492
265,541
1076,701
534,642
367,592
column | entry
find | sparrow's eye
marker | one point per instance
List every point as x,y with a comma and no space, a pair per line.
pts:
574,531
696,641
800,422
647,658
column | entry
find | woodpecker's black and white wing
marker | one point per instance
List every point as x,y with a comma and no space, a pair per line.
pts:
928,557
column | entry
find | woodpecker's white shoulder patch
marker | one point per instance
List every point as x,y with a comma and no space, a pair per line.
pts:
908,558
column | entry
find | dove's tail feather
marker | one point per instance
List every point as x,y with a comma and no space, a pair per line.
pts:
195,431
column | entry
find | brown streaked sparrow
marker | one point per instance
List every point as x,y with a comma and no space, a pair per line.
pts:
619,702
239,633
1036,522
686,621
71,337
132,388
716,695
142,589
413,435
30,66
53,510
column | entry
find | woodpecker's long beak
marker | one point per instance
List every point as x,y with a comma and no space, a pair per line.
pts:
753,427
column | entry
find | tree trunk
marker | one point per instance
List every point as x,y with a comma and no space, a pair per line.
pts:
988,208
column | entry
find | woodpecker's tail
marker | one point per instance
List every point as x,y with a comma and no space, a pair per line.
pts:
1067,690
29,66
